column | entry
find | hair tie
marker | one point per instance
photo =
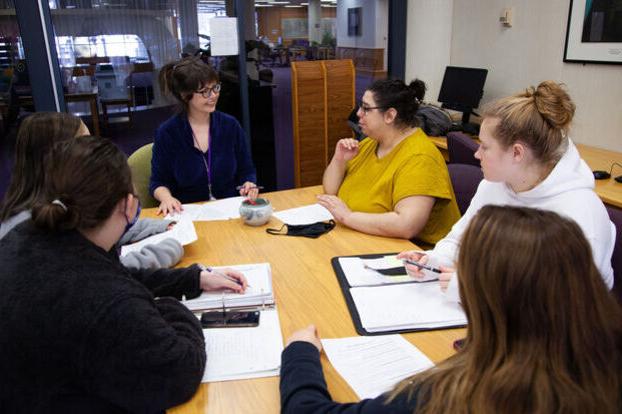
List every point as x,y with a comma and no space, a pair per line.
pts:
60,203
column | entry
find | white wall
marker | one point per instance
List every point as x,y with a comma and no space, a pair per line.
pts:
525,54
428,43
375,25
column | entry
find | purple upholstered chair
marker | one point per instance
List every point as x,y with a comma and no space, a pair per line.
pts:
615,214
461,149
465,179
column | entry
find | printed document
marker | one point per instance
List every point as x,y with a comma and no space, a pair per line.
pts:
184,232
308,214
240,353
372,365
367,272
406,306
223,209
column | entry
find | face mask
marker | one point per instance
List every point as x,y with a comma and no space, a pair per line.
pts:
129,224
313,230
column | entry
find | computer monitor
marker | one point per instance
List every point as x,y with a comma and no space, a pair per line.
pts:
462,89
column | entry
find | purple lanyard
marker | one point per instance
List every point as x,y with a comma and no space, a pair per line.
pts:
207,163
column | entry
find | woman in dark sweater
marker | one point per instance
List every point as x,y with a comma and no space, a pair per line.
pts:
200,153
544,338
78,332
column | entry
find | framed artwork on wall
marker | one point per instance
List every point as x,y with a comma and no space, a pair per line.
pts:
354,21
594,32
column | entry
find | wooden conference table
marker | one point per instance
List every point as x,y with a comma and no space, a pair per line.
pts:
306,291
609,190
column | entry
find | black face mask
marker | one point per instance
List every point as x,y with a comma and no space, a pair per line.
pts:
313,230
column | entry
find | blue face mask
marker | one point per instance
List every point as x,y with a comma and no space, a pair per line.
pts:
129,224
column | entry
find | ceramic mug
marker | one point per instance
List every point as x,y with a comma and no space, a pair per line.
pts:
256,212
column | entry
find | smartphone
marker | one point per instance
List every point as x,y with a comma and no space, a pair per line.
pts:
231,319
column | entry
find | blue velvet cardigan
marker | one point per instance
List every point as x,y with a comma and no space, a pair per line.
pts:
178,165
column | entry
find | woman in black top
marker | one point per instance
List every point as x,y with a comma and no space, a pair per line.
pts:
79,333
546,337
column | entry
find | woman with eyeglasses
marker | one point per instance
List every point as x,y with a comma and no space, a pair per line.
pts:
200,153
393,183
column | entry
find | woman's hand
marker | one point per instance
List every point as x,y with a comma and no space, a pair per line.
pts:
169,205
417,256
445,277
335,205
249,190
223,279
346,149
308,334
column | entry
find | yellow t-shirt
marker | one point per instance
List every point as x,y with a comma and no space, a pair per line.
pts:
415,167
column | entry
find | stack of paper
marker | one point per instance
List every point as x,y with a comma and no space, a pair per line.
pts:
239,353
405,306
311,213
258,293
224,209
184,232
373,365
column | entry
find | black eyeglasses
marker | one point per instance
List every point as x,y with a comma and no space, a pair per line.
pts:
366,108
207,92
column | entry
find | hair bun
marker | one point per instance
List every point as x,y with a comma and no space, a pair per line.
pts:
419,88
553,103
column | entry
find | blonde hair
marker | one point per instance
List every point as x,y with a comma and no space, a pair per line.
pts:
539,117
544,333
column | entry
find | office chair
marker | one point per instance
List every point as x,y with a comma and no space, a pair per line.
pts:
615,214
461,149
140,164
464,179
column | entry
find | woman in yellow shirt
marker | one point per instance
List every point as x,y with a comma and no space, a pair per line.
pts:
395,182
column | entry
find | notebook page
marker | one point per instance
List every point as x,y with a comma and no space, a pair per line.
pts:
373,365
239,353
405,306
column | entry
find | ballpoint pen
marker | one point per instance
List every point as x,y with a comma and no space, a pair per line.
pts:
259,187
422,266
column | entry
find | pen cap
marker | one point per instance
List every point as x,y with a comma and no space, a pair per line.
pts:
256,212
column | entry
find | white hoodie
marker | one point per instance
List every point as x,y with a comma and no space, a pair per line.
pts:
568,191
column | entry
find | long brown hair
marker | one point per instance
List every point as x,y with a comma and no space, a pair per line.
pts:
539,117
85,179
544,334
183,78
36,135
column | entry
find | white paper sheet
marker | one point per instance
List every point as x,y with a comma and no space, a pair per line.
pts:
240,353
358,275
259,291
311,213
184,232
223,209
372,365
224,36
405,306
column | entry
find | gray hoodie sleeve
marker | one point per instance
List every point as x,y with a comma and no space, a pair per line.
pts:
144,228
162,255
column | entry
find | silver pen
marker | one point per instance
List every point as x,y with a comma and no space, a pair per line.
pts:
422,266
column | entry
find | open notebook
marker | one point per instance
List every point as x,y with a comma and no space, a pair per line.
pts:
259,292
391,304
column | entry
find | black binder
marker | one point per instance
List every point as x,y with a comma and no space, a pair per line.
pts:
345,289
